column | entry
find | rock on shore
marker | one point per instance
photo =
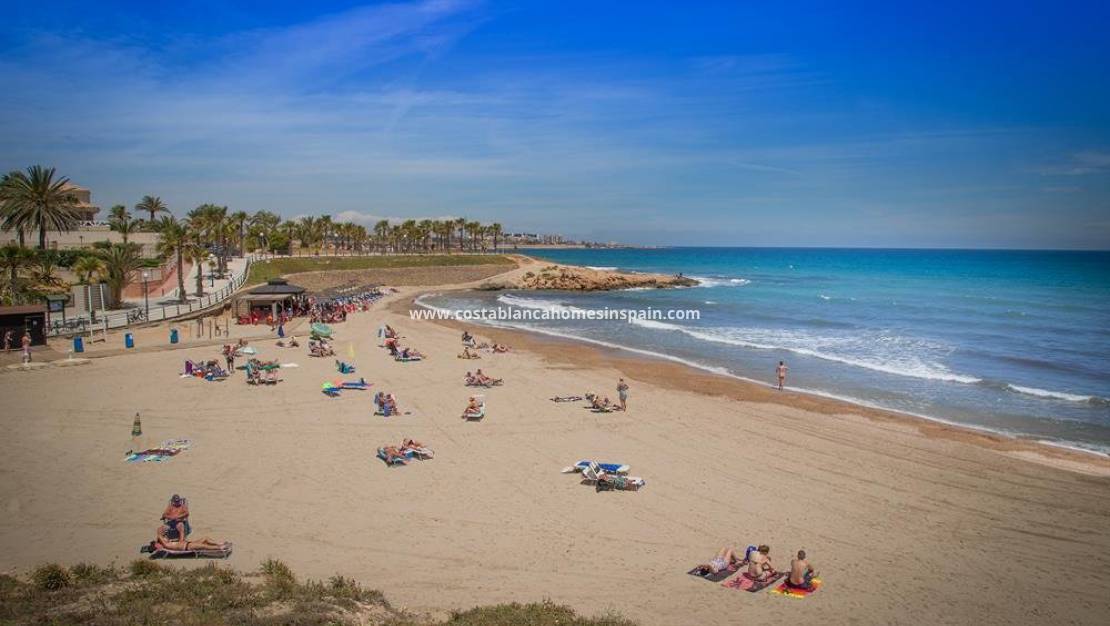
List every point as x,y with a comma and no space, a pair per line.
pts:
573,278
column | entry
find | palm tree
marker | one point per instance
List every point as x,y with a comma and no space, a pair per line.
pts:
264,223
495,230
240,219
123,225
152,205
12,260
197,255
34,200
118,212
460,225
173,237
86,267
381,232
120,260
43,270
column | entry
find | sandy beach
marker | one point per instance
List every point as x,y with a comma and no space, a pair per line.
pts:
907,522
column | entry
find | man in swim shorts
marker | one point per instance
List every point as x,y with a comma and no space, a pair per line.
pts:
781,372
801,573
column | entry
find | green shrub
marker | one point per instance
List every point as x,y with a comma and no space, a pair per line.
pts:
51,577
92,574
145,568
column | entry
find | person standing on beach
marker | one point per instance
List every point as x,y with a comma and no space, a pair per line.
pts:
622,392
781,371
8,335
26,347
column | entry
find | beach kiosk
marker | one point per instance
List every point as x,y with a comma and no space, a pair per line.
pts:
269,299
20,319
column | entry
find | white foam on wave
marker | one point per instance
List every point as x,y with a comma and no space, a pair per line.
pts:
602,268
537,304
1103,451
1045,393
897,358
824,297
708,281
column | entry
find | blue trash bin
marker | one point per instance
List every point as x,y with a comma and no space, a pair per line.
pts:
78,344
129,340
173,335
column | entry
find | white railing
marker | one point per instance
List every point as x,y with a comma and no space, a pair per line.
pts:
161,312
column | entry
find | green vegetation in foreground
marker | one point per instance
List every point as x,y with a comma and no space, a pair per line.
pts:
263,271
148,592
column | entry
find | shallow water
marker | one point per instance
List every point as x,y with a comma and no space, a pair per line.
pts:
1012,341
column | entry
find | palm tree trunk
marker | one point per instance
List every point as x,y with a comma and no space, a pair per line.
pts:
42,235
181,295
200,279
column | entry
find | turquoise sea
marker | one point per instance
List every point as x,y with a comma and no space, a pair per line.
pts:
1011,341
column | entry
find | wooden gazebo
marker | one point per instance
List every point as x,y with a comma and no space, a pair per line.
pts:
270,298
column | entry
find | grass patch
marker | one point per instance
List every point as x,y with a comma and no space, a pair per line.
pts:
215,595
535,614
263,271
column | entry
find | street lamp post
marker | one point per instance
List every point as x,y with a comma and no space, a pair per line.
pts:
146,293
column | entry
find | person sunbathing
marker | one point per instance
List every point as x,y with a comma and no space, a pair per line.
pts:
390,403
500,348
727,558
473,408
801,573
163,541
467,353
393,454
759,564
293,341
411,353
598,403
411,444
469,379
485,380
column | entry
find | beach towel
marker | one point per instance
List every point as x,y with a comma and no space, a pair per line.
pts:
794,592
359,384
321,330
162,553
619,483
476,416
407,359
567,398
169,449
746,583
710,575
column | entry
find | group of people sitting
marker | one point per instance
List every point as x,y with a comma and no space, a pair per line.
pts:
470,345
173,534
320,348
386,404
208,370
598,403
261,372
402,354
478,379
757,560
400,455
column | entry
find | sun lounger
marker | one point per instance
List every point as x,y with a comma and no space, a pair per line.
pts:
474,417
359,384
404,359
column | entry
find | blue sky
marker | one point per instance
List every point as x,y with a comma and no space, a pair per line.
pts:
730,123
